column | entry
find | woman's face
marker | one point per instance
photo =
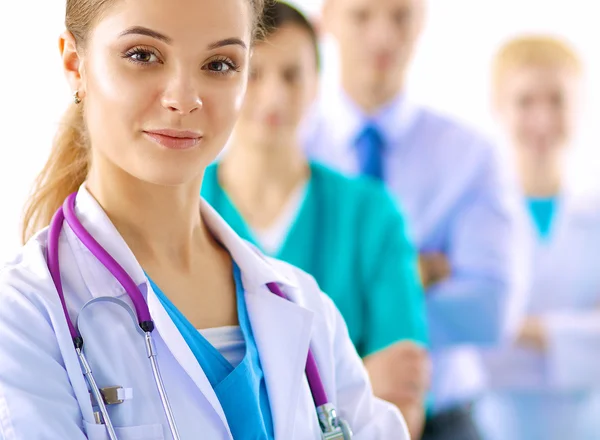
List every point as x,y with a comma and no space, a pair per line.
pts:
162,82
282,86
536,106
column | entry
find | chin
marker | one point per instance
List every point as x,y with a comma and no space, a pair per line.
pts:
271,137
384,79
542,150
173,173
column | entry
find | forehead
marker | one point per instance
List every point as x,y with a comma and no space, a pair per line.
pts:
539,77
190,22
290,42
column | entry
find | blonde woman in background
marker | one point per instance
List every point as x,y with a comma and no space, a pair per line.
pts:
544,383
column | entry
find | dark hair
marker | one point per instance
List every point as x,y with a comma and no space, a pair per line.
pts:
277,14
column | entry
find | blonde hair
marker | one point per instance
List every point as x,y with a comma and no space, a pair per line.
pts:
68,164
534,50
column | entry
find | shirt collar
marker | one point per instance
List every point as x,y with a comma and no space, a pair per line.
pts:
257,271
392,119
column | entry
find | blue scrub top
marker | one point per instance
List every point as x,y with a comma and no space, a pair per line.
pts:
241,390
543,212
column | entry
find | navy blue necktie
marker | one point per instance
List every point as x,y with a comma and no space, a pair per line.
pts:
369,146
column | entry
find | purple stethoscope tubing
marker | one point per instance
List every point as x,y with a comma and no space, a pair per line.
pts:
67,213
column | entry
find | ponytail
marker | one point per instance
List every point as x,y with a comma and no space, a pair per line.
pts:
63,174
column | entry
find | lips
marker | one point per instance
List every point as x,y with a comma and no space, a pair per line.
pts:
174,139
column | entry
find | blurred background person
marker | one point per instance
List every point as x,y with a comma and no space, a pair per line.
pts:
346,232
460,205
544,384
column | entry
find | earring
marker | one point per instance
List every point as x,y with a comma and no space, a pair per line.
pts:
76,97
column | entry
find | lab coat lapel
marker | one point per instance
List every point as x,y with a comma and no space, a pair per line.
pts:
282,331
181,351
281,328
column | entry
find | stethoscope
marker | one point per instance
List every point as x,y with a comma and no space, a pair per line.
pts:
332,426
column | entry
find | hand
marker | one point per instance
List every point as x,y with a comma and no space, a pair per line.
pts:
532,334
434,268
400,374
414,415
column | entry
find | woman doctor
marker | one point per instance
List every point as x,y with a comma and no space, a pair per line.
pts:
543,386
157,88
346,232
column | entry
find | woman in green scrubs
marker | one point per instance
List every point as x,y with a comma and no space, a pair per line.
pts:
346,232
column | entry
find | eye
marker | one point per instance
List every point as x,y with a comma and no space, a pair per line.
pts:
292,75
525,101
402,16
557,100
218,66
360,16
222,66
142,56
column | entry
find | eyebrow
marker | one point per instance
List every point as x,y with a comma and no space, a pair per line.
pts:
227,42
140,30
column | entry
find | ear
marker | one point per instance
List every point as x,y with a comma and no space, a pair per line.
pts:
72,63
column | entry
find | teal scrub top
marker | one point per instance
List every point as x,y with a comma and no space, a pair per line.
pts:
241,390
543,212
350,236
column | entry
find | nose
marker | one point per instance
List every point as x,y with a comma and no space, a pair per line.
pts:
182,96
382,32
543,119
273,93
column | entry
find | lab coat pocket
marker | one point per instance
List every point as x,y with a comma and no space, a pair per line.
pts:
142,432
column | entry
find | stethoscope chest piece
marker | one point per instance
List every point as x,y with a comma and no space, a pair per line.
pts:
333,427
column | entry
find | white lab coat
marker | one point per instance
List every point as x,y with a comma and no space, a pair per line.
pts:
43,394
554,395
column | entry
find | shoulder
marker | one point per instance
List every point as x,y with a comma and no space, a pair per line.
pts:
585,207
443,123
356,189
450,133
25,279
456,145
358,200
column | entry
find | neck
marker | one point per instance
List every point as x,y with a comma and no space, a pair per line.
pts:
260,179
541,177
160,224
255,168
371,95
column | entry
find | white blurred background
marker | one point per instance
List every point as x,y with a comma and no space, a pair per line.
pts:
450,72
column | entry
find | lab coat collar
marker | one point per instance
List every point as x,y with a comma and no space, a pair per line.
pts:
576,208
283,353
256,269
393,119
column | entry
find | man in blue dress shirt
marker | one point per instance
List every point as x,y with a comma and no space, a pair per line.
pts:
449,182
